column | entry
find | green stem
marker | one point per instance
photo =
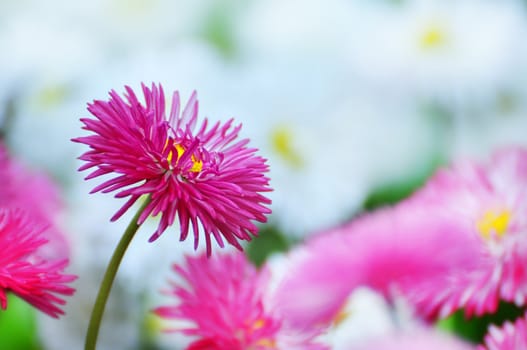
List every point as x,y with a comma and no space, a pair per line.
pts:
109,276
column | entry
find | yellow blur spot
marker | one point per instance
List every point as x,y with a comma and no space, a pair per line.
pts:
340,317
266,343
259,324
282,140
433,37
494,223
52,96
152,324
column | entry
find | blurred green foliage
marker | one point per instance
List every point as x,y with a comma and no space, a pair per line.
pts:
270,240
18,326
218,29
474,329
396,190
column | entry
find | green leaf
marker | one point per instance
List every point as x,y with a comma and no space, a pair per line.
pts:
269,241
475,328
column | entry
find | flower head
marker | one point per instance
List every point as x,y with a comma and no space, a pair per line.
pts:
225,299
24,271
487,201
396,251
201,174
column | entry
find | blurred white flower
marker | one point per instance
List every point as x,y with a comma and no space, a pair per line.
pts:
274,28
438,48
328,144
366,315
479,133
285,108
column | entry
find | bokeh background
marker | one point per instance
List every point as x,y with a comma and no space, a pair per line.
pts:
354,103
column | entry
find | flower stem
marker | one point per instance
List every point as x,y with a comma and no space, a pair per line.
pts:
109,276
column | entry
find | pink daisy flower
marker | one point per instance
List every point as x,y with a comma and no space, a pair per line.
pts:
389,251
201,174
488,201
35,194
510,336
24,271
226,302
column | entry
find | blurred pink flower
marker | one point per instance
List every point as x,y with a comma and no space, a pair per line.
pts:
203,176
416,339
226,301
35,194
24,271
488,200
510,336
397,251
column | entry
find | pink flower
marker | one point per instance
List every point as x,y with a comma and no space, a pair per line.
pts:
226,301
35,194
510,336
24,271
201,175
398,252
488,200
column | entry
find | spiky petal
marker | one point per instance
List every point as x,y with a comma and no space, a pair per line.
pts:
24,271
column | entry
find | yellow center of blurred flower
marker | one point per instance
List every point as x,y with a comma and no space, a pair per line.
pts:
266,343
282,140
259,323
197,164
51,96
494,223
341,316
433,37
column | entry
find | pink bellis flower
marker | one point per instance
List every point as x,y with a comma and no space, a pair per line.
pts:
200,174
509,336
389,251
488,200
35,194
225,299
25,273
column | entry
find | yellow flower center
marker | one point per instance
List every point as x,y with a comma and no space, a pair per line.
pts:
197,164
433,37
494,223
282,140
